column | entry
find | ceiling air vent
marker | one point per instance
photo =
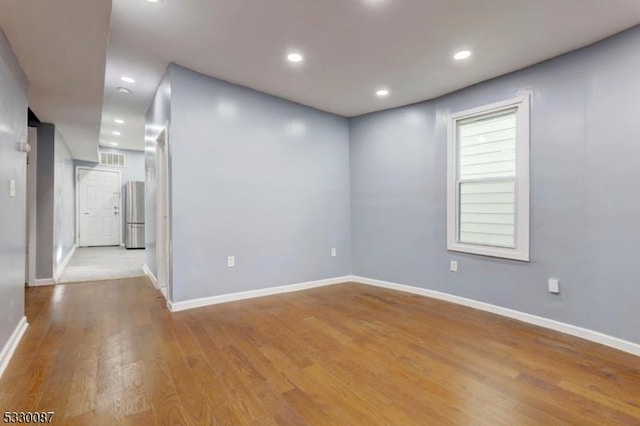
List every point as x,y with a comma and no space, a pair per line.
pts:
111,159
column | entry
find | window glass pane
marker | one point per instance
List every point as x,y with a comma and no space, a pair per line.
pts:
487,213
487,147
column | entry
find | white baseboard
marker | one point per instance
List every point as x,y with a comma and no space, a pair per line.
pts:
11,345
591,335
152,277
39,282
214,300
584,333
64,263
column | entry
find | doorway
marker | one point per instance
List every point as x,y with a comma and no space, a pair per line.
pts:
101,254
163,255
98,207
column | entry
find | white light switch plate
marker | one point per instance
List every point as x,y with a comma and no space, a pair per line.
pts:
453,266
334,252
231,261
554,286
12,188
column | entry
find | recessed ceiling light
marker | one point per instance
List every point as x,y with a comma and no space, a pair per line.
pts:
127,79
119,121
375,3
381,93
124,90
114,144
116,133
153,1
294,57
463,54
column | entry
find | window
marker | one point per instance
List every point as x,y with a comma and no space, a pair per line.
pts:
488,180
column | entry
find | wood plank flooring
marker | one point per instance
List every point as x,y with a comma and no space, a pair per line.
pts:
110,353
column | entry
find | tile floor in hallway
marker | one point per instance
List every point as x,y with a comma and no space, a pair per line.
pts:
103,263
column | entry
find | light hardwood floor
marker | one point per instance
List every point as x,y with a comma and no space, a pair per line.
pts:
110,353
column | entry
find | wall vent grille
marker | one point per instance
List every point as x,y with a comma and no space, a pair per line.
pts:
112,160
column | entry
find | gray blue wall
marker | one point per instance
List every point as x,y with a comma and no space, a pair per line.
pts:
55,205
13,129
64,228
277,185
585,122
158,117
134,170
256,177
135,162
45,196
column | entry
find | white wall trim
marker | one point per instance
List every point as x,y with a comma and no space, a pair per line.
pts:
64,263
152,277
224,298
163,253
584,333
11,345
42,282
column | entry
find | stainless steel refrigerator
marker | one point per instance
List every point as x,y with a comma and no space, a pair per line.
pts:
134,215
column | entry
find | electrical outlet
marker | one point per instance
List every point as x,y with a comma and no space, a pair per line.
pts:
231,261
453,266
334,252
554,286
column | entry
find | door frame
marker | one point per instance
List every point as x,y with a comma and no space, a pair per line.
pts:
163,199
32,205
76,178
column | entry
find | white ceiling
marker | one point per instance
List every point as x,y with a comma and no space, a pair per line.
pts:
61,45
351,48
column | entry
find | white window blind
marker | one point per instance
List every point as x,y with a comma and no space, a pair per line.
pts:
487,172
487,213
488,183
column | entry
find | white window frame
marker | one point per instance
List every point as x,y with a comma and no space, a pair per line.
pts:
522,212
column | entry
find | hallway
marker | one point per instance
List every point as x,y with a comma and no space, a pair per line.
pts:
103,263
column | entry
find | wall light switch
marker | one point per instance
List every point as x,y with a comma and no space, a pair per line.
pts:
12,188
334,252
554,286
231,261
453,266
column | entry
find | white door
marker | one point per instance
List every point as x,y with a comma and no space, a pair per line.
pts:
98,207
